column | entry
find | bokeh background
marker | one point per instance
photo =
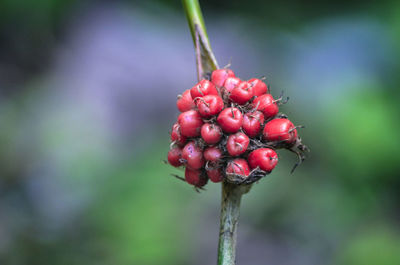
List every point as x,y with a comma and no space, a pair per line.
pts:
87,97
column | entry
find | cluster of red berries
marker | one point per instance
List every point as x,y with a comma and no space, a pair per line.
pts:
229,130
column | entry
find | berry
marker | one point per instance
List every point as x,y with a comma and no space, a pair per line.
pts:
193,155
176,135
215,174
190,123
230,120
185,101
219,76
231,83
267,105
237,144
281,130
212,154
228,130
264,158
174,157
209,105
195,177
211,133
238,166
203,88
242,93
259,87
252,122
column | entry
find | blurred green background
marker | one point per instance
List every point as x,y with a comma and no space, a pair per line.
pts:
87,97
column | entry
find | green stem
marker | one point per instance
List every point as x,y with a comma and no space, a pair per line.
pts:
194,16
230,210
205,59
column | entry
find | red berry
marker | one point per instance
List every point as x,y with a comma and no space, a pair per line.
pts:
242,93
219,76
281,130
230,120
211,133
215,174
209,105
212,154
195,177
190,123
185,101
259,87
174,157
237,144
267,105
252,122
176,135
264,158
193,155
238,166
203,88
231,83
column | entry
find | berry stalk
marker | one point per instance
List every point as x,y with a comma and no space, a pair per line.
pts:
231,194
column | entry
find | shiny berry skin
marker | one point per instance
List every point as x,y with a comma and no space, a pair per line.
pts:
231,83
176,135
211,133
209,105
237,143
264,158
252,122
281,130
193,155
212,154
267,105
219,76
238,166
195,177
230,120
242,93
174,156
203,88
190,123
259,87
215,174
185,101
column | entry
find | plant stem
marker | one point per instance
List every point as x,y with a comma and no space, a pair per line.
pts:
205,59
230,210
194,16
231,194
